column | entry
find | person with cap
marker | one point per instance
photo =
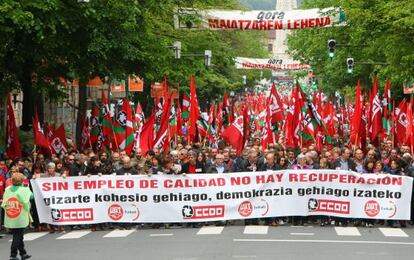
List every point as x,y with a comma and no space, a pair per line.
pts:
16,203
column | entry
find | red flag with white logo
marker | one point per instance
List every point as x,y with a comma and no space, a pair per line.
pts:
234,134
58,141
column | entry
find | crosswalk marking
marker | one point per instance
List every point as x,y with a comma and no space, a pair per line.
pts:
256,230
74,234
33,236
210,231
347,231
393,232
161,235
119,233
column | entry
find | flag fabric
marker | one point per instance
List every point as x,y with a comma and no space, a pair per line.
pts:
363,129
162,140
186,107
376,114
125,136
226,110
291,123
173,122
39,136
139,121
96,129
267,135
50,129
402,122
85,141
219,119
234,134
12,135
356,117
275,105
194,111
179,120
409,131
146,141
58,142
387,109
109,140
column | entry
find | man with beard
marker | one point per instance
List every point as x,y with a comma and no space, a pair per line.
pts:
138,162
106,164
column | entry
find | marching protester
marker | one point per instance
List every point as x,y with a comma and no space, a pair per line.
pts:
233,142
16,204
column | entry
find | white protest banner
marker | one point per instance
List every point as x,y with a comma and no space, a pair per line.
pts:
258,20
272,63
211,197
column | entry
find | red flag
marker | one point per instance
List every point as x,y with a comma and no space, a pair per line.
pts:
376,114
246,125
58,141
267,135
194,110
363,129
85,142
275,106
219,121
356,117
409,132
13,143
402,122
50,129
39,136
234,134
162,139
292,121
147,135
139,122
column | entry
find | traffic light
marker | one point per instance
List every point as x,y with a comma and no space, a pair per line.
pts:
350,64
331,46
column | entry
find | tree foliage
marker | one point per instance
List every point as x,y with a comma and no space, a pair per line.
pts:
377,30
43,41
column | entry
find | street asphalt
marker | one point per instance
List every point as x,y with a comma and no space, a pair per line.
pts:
229,242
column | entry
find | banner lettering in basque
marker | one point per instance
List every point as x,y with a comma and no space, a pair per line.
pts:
272,63
211,197
258,20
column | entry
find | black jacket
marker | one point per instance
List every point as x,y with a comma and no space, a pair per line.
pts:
92,170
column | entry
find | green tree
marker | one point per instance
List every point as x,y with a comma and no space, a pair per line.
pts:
380,31
44,41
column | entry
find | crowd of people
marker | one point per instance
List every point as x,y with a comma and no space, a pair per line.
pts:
196,159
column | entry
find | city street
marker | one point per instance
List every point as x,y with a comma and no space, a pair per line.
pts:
230,242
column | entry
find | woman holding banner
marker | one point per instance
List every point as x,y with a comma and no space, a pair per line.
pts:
16,203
